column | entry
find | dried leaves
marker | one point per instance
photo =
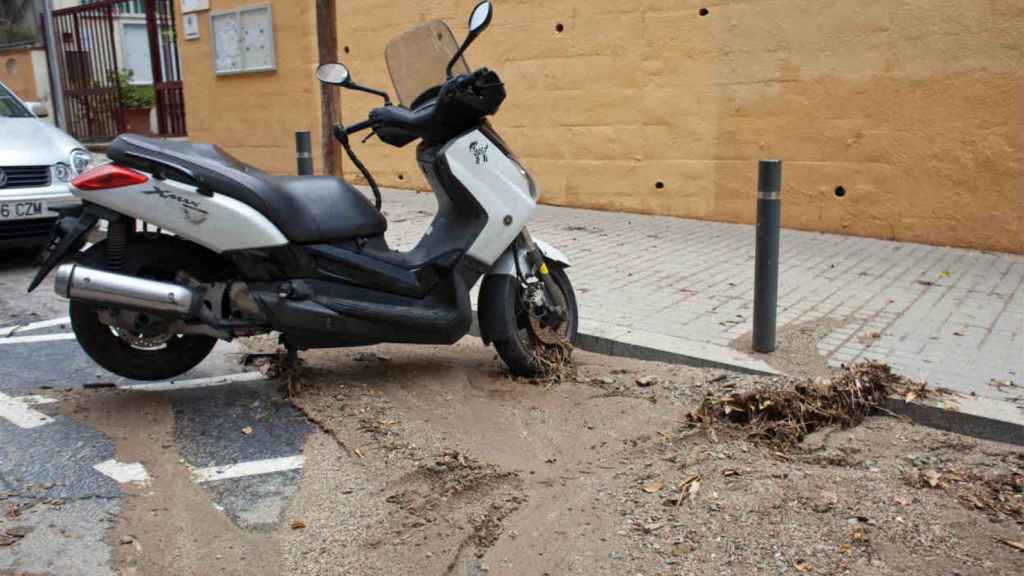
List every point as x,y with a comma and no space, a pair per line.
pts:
996,493
646,381
1017,544
556,364
685,490
783,417
653,486
13,534
277,367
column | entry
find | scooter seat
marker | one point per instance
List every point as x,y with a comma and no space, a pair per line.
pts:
307,209
327,209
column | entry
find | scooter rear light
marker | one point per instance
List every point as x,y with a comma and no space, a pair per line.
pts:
108,176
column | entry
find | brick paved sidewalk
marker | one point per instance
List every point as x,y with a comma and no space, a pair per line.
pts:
950,316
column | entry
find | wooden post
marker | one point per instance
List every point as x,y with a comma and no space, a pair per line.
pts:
330,96
155,63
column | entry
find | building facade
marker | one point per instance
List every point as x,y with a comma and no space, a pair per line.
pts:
23,66
900,120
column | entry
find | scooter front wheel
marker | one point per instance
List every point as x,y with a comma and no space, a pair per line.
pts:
529,344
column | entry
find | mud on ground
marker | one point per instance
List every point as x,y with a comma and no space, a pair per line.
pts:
432,461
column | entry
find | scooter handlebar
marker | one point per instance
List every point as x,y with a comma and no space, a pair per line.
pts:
360,126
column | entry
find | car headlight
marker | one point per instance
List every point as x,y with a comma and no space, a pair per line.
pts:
63,172
80,160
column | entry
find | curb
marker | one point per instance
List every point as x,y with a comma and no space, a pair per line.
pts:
612,347
638,345
981,418
977,417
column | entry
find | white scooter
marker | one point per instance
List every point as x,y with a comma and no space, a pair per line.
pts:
237,252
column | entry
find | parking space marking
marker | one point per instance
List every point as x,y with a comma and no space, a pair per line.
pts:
123,472
253,468
196,382
17,412
40,338
8,331
35,400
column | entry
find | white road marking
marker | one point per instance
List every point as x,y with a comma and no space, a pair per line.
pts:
40,338
123,472
17,412
35,400
196,382
8,331
253,468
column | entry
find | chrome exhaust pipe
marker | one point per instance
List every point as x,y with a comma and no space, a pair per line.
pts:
102,287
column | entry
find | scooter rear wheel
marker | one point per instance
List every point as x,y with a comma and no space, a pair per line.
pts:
135,357
152,355
527,346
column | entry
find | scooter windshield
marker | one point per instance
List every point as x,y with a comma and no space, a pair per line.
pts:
417,60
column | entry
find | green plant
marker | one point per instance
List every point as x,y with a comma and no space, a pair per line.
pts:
132,95
11,34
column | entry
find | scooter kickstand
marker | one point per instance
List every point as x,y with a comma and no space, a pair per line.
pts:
293,356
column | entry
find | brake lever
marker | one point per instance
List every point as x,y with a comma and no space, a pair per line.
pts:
372,133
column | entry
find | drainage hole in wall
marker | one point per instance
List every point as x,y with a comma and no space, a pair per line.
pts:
559,28
703,12
346,49
840,191
401,176
659,184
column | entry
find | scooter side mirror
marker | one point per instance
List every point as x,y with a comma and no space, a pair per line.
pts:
479,20
334,73
338,75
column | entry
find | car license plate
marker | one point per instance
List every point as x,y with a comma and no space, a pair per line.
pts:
22,210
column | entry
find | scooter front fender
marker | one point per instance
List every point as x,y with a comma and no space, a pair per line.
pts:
506,265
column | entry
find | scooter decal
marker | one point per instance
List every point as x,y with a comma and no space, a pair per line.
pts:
479,152
191,208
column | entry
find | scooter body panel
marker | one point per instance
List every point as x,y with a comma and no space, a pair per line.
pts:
217,222
501,187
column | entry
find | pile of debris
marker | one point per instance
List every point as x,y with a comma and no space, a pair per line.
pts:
556,364
277,366
783,415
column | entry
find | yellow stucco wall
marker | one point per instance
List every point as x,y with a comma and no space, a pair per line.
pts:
255,116
18,74
914,107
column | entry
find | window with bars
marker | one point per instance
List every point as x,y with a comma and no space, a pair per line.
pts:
19,22
126,7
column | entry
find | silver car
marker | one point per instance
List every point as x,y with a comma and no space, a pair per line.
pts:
37,160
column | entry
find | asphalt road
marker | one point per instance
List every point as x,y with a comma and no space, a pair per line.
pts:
75,439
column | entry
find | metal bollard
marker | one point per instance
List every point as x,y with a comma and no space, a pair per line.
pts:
304,153
766,259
